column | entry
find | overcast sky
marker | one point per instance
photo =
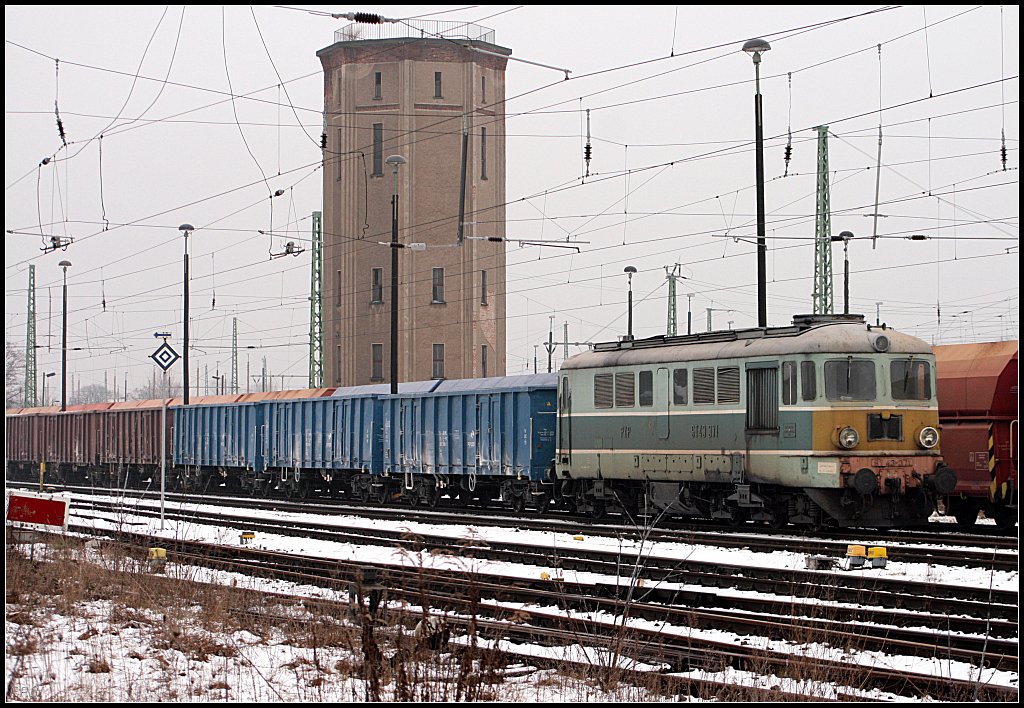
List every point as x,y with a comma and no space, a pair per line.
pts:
672,178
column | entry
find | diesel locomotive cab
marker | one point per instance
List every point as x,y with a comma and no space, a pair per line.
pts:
889,432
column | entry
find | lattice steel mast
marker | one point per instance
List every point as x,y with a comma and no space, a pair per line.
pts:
234,354
672,326
823,296
316,311
30,341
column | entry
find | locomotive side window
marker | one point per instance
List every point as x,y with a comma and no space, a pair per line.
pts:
602,390
703,385
646,388
788,383
729,384
679,387
808,381
850,379
625,390
564,398
911,380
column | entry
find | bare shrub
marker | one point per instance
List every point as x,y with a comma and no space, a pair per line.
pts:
99,666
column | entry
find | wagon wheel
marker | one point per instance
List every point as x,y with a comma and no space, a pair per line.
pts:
519,503
1006,519
965,514
542,502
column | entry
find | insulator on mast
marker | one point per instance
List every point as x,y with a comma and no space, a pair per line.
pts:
587,150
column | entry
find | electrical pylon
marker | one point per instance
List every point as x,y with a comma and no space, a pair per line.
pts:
822,296
30,341
673,320
316,313
234,354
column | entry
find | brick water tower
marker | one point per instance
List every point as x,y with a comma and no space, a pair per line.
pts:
412,89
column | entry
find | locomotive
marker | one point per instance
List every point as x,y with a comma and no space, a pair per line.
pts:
978,410
829,421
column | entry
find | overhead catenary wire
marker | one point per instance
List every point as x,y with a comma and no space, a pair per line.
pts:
627,178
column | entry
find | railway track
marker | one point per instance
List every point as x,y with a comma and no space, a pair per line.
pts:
670,579
829,610
499,608
997,552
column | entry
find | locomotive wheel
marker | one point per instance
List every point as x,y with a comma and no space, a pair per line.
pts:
780,517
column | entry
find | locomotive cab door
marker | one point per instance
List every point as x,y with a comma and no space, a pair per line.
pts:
564,420
762,398
661,390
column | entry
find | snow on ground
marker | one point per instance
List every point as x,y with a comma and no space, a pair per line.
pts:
262,669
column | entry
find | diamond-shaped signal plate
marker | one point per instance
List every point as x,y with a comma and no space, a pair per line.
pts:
164,356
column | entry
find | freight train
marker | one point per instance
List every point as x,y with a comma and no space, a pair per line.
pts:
978,410
830,421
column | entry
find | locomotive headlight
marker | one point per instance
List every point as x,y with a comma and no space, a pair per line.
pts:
928,437
848,438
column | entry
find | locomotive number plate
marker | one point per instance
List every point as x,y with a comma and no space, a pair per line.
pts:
704,431
890,462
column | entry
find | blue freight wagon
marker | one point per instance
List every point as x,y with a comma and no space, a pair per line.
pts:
470,439
218,443
329,444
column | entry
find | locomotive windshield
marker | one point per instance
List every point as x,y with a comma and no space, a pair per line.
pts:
850,379
911,380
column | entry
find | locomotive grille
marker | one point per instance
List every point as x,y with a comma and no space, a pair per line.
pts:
729,385
703,385
880,428
602,390
625,390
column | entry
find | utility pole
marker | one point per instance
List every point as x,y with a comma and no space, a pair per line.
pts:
316,306
30,341
550,346
565,340
823,300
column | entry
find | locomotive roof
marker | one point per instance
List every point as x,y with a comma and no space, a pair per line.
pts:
810,334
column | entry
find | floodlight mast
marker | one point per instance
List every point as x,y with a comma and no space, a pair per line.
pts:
186,229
